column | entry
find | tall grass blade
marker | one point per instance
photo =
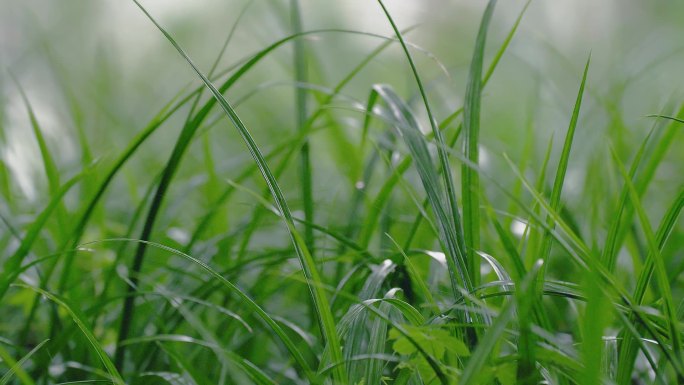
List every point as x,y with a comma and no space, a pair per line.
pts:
412,135
470,181
301,76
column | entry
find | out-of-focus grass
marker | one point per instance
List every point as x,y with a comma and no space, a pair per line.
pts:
341,192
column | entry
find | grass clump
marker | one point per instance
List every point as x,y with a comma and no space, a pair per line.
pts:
381,240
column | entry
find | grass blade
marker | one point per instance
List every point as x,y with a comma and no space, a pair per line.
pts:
470,181
453,218
669,309
554,200
301,76
16,367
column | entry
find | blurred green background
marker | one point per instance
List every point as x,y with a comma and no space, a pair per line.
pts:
96,72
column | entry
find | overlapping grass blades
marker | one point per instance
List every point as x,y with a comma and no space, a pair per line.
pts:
494,332
181,146
444,204
412,135
115,376
670,313
470,181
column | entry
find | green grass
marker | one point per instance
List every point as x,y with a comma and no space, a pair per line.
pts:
337,205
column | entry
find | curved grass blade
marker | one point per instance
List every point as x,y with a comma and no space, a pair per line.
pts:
667,117
406,162
408,126
176,156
